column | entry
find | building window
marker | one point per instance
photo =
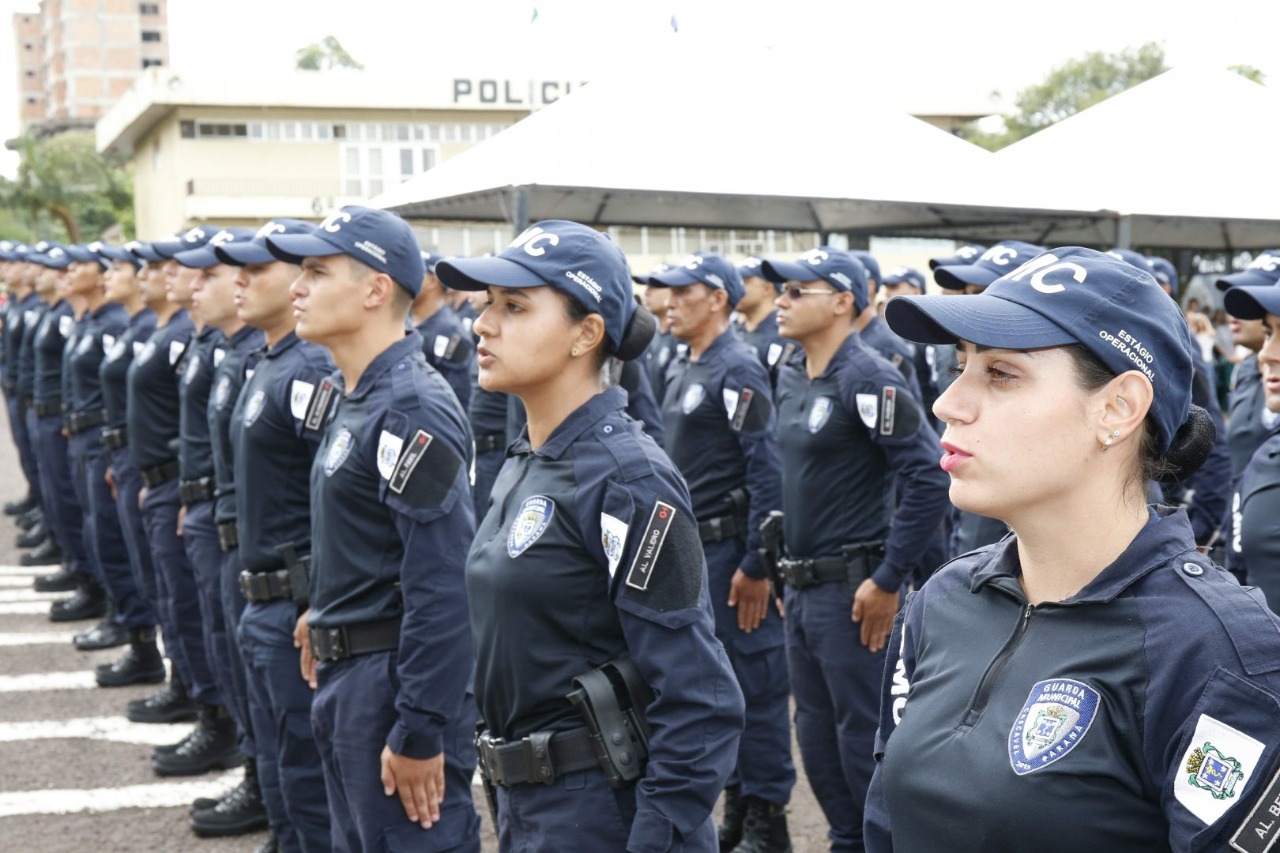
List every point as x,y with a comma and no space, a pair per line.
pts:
150,35
148,8
149,63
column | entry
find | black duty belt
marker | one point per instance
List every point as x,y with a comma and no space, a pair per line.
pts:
158,475
228,535
264,586
365,638
47,410
493,441
726,527
540,758
854,565
114,438
78,422
195,491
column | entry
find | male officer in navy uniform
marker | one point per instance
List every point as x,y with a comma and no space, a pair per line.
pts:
388,631
275,430
848,430
448,344
720,434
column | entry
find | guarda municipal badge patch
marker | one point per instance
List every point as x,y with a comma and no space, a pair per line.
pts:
338,451
655,533
1217,765
820,414
1053,721
530,523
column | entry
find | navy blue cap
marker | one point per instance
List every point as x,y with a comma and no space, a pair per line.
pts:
905,275
966,254
54,257
380,239
1070,296
122,253
648,279
1165,272
1001,258
1252,303
1262,272
709,268
240,252
192,238
573,258
91,253
207,255
869,263
836,267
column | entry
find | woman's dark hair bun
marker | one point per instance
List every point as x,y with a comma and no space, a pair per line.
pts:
1192,443
638,334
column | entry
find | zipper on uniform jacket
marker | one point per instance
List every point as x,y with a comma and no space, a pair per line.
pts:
994,670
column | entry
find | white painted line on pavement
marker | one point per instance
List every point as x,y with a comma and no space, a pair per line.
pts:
37,681
43,638
159,795
117,729
24,608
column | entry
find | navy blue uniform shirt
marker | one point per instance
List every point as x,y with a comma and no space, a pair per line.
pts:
589,552
238,354
50,341
153,393
393,473
450,350
720,435
844,437
114,370
275,430
96,335
195,452
1141,714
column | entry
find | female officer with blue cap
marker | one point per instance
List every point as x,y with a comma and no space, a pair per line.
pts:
589,556
1091,682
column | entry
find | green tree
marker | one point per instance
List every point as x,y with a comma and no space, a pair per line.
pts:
325,55
66,189
1069,88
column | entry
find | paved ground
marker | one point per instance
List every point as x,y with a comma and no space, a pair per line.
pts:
75,775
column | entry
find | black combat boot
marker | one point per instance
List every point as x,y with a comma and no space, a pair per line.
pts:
169,704
89,602
240,810
730,829
211,746
46,554
764,830
140,664
63,580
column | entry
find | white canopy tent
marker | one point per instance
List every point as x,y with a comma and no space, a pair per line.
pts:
1187,159
671,148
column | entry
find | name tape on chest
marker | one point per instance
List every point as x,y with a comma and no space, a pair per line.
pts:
409,460
1217,766
655,533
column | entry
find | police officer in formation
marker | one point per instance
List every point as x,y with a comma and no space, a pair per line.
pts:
1078,685
720,433
587,587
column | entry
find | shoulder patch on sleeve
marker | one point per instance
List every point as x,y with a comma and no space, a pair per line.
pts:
655,536
1217,765
389,447
300,397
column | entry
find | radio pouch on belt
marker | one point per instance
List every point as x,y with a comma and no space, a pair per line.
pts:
612,700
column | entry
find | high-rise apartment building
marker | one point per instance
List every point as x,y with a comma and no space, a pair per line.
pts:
77,57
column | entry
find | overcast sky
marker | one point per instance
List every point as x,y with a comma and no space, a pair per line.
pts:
941,48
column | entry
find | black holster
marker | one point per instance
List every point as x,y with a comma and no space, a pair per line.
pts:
612,700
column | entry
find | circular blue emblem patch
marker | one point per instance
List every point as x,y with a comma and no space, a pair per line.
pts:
1053,721
530,523
338,451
